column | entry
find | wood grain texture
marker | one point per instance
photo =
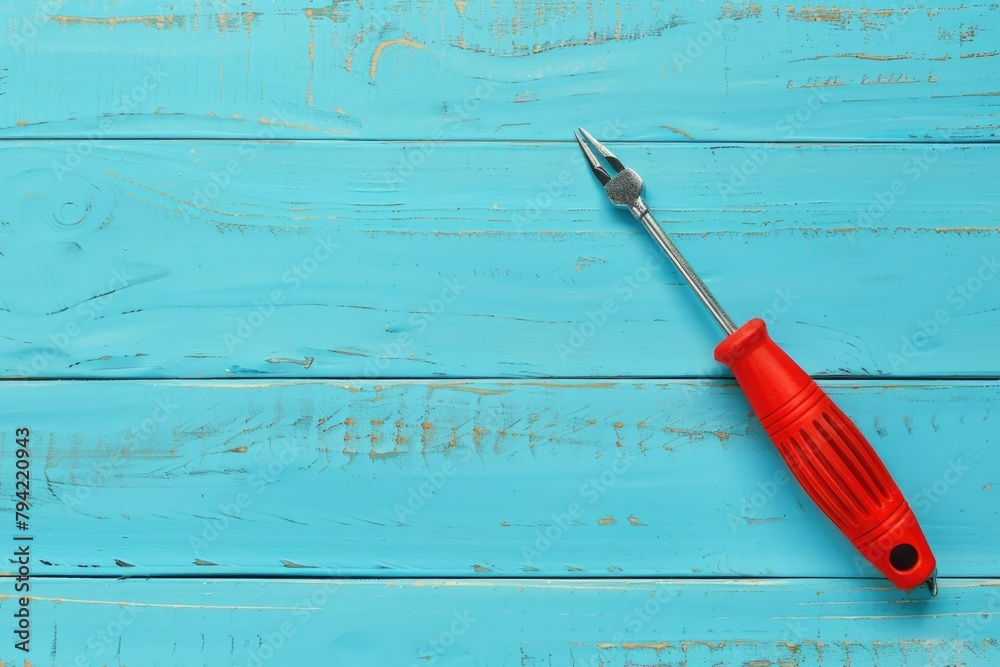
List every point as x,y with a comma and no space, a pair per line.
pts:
712,71
244,192
406,478
348,259
523,623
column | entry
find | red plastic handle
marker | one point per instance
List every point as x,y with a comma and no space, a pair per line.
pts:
829,456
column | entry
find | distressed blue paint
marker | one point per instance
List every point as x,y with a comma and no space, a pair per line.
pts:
134,259
474,478
466,266
522,623
493,70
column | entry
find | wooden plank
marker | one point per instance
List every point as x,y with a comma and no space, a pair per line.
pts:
312,259
504,623
487,478
730,71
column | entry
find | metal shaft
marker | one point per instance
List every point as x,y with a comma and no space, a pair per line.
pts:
642,214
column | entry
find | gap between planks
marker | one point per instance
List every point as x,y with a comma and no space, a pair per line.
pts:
234,138
871,583
725,380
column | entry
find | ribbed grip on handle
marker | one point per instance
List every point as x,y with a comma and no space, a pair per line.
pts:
828,456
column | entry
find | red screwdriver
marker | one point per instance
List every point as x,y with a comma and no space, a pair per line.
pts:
824,450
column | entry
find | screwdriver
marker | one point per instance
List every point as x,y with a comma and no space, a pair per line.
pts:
824,450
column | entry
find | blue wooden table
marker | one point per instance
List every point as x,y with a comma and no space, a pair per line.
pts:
328,348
